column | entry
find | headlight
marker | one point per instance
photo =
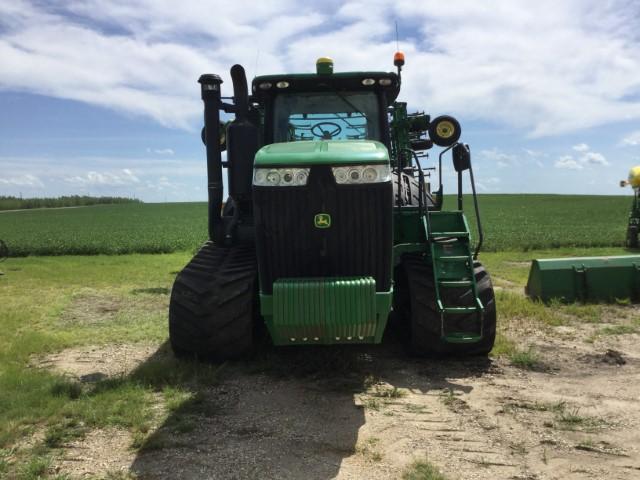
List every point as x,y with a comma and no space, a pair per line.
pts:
362,174
280,177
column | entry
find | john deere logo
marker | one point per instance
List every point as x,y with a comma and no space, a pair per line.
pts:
322,220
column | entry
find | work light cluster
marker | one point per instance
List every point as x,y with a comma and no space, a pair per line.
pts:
280,177
362,174
296,177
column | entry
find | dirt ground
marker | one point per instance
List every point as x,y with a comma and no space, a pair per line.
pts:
368,412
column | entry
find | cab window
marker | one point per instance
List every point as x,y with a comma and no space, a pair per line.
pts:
326,116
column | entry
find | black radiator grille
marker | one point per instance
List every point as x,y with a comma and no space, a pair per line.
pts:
359,241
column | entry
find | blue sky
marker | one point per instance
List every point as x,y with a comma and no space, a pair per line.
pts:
101,97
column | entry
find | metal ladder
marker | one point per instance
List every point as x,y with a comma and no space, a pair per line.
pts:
453,268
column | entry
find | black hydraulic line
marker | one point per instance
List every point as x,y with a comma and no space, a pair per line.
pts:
210,92
479,223
460,191
440,197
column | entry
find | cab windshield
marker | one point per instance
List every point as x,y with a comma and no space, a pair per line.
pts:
326,116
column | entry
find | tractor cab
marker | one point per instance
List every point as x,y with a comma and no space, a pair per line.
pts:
326,105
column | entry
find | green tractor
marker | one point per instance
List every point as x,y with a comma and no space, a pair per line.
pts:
633,223
331,222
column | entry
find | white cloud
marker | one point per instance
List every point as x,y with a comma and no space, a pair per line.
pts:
594,158
536,156
632,139
110,179
586,157
147,178
581,147
501,159
26,180
581,69
568,162
161,151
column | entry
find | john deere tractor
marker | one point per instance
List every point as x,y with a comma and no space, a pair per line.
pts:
634,215
333,220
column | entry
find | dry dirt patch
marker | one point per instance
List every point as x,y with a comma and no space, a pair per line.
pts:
100,452
92,307
475,419
94,363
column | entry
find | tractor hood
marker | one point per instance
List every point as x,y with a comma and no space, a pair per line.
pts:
322,152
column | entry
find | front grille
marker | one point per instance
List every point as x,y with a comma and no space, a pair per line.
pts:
358,243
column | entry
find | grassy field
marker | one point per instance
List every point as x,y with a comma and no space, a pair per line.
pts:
123,300
511,222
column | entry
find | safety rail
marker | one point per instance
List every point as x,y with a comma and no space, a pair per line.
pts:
475,198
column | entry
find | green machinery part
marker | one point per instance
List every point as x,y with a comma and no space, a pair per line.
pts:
633,224
599,279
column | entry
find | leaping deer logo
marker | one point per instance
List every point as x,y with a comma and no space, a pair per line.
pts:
322,220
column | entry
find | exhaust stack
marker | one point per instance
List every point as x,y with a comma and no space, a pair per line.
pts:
210,91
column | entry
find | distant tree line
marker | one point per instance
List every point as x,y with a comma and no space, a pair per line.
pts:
15,203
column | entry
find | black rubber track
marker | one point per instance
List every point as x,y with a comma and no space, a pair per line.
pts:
415,301
214,303
410,190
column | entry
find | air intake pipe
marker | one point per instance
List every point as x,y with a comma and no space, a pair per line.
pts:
210,90
242,145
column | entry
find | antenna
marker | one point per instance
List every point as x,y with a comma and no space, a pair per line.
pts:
255,70
397,42
398,58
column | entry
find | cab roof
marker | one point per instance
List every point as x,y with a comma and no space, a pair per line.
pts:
265,86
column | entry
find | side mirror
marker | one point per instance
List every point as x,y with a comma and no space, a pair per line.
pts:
461,157
222,139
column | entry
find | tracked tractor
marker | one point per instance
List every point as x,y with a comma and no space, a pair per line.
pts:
634,215
333,221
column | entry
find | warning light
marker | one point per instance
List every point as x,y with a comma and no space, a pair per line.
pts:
398,59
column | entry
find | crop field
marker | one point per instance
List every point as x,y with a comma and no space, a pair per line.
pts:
511,222
105,229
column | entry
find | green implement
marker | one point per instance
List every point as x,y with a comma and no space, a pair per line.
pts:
602,279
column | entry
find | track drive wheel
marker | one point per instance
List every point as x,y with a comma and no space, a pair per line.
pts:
214,304
416,303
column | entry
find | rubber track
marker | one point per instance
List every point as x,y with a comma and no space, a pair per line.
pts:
213,303
421,310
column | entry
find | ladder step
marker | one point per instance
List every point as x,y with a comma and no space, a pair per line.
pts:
453,258
462,337
455,283
460,310
450,234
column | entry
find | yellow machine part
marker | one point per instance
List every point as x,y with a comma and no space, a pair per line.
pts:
634,177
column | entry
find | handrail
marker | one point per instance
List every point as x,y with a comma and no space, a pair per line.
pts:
475,199
477,209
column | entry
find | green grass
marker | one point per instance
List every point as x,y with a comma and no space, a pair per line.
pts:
525,359
511,222
35,295
619,330
422,470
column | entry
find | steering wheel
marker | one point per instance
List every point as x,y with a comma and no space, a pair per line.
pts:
326,134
